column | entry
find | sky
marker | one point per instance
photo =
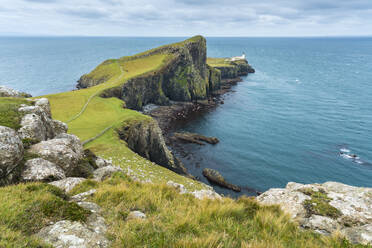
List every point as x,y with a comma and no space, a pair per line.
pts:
186,17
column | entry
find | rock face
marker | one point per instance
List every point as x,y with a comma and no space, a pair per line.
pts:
37,123
65,151
235,69
327,207
8,92
39,169
11,151
145,138
215,177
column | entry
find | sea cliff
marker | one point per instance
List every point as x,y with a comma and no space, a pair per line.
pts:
86,169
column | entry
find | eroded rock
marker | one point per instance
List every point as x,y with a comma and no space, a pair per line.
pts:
215,177
11,150
39,169
196,138
327,207
68,184
105,172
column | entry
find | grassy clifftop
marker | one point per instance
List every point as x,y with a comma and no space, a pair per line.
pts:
174,220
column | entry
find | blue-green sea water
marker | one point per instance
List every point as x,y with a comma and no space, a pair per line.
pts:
309,100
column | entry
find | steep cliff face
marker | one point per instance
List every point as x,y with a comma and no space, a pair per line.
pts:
145,138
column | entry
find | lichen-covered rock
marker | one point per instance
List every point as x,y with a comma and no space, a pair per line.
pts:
145,138
68,234
215,177
206,194
327,207
11,151
100,162
105,172
68,183
180,187
37,123
83,196
39,169
8,92
65,151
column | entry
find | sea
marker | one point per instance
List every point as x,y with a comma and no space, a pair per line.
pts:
305,116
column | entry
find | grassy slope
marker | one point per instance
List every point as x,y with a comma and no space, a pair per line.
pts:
9,115
174,220
219,62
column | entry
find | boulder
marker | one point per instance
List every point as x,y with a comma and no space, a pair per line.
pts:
8,92
68,184
59,127
215,177
327,207
105,172
136,215
43,103
100,162
33,128
39,169
180,187
83,196
11,150
206,194
65,151
67,234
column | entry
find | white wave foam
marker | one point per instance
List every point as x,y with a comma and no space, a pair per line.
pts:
344,150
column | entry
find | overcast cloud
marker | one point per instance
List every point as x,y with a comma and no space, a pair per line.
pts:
186,17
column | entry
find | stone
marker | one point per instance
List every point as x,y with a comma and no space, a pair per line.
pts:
105,172
8,92
68,183
181,188
136,215
65,151
33,127
206,194
195,138
11,150
94,208
215,177
353,206
59,127
68,234
43,103
100,162
39,169
83,196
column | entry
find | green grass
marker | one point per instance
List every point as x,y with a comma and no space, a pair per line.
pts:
219,62
175,220
9,115
27,208
319,204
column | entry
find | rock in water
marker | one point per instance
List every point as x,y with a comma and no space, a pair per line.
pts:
39,169
11,151
215,177
327,207
196,138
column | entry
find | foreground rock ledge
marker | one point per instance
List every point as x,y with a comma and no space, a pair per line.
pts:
327,207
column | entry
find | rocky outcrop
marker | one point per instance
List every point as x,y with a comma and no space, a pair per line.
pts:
207,193
105,172
8,92
215,177
39,169
234,69
65,151
327,207
195,138
11,152
37,124
145,138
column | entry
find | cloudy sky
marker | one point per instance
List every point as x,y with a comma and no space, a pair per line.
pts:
186,17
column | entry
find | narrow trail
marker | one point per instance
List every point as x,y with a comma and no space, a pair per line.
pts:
98,135
91,97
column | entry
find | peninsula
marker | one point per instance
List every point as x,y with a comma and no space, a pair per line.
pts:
87,168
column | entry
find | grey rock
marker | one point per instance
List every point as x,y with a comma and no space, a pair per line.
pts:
69,183
206,194
105,172
8,92
215,177
11,150
83,196
178,186
65,150
136,215
39,169
353,203
94,208
100,162
59,127
33,128
67,234
44,104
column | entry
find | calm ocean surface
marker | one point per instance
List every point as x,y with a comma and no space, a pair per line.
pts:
310,99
